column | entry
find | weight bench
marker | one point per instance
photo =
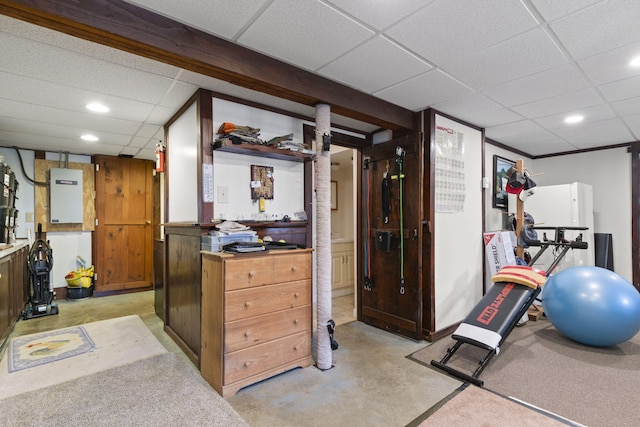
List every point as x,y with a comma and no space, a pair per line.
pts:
491,321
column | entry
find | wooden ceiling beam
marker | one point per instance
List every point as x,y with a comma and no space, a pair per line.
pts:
127,27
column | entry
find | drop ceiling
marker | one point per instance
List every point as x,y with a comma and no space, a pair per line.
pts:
516,68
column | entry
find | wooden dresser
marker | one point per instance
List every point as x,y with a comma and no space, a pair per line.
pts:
256,316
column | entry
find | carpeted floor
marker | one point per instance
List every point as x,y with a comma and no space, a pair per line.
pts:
116,342
163,390
538,365
474,406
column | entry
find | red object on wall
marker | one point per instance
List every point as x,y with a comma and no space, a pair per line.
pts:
159,158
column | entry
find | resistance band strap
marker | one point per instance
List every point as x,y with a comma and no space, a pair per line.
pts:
386,198
368,282
400,177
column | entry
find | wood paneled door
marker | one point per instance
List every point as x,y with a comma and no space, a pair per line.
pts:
391,295
123,243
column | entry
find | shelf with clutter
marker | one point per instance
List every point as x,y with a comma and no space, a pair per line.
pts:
246,140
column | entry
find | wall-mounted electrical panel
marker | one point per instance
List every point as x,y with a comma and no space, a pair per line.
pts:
65,196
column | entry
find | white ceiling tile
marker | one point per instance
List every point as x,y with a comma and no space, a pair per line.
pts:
49,130
560,104
138,142
85,47
160,115
219,17
622,89
554,9
591,114
602,27
551,144
147,130
177,95
52,143
513,130
68,68
518,57
379,13
39,92
478,110
60,117
424,90
391,63
587,135
309,36
627,107
549,83
612,65
447,30
146,153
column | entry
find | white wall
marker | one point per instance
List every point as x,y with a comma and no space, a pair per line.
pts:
458,239
65,246
182,160
233,171
609,174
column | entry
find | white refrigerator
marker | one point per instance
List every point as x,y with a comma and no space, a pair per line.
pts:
566,205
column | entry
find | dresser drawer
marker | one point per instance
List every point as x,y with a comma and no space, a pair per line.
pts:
287,268
260,329
254,360
251,302
244,273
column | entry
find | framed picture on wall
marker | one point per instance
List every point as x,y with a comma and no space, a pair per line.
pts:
500,168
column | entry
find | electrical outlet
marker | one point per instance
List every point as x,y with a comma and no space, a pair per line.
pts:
28,216
223,194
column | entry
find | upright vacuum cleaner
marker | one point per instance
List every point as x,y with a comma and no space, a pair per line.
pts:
40,263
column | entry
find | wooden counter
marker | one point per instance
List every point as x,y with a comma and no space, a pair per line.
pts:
14,285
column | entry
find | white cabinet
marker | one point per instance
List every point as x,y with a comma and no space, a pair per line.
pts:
342,268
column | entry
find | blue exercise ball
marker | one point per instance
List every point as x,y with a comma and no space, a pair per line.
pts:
592,305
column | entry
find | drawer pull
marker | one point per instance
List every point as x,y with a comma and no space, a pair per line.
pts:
296,295
246,334
295,348
247,364
247,304
294,268
251,274
295,321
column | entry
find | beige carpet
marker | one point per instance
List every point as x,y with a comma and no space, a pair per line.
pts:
538,365
117,342
163,390
474,406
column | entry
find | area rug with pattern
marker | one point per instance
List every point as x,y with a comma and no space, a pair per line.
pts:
39,349
40,360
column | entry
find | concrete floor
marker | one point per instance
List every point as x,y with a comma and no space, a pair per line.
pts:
371,384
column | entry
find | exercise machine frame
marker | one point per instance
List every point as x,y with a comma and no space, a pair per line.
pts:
474,328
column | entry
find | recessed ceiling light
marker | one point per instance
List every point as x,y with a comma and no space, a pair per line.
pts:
89,138
96,107
635,62
574,119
